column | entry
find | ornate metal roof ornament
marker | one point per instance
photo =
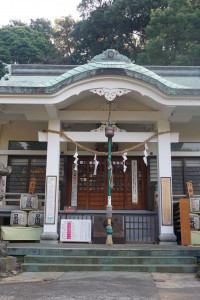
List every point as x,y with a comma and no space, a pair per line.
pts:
111,55
110,94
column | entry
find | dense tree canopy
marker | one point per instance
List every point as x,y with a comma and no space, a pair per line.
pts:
21,44
43,26
118,24
174,35
87,6
63,40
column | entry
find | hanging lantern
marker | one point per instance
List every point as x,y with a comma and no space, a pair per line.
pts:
109,131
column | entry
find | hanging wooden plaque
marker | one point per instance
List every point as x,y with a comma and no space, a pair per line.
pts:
190,189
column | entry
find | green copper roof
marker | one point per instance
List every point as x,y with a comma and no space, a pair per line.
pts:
108,63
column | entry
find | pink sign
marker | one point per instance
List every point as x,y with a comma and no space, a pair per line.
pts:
69,231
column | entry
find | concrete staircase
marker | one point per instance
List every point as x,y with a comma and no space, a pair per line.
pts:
87,259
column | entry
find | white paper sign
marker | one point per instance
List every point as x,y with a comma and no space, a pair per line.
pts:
134,182
50,206
75,230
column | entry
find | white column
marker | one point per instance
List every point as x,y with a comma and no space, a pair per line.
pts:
165,206
52,169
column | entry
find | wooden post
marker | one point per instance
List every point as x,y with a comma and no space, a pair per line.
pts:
185,221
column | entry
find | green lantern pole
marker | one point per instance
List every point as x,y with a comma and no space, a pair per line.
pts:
109,132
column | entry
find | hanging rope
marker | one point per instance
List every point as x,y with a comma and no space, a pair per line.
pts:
105,153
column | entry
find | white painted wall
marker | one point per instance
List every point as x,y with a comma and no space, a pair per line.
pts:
20,131
189,132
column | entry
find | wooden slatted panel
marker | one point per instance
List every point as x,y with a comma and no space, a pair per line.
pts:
192,173
38,171
62,169
177,176
178,185
17,181
153,169
25,168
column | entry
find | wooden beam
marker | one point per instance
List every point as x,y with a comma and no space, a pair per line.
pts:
92,116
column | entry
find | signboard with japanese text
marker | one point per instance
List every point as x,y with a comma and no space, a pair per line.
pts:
134,182
50,207
75,230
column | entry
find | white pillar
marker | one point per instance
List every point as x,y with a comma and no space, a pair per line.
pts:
165,206
52,169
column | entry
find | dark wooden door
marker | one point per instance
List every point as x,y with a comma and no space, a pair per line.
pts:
122,184
92,189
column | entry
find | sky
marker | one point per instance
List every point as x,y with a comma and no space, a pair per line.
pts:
25,10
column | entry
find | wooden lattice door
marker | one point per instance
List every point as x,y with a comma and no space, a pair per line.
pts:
122,184
92,190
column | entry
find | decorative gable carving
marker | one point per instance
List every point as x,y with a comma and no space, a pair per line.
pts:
110,55
110,94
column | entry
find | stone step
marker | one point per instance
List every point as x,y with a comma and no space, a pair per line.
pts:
22,251
34,267
7,263
138,260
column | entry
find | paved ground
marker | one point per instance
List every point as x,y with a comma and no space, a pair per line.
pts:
100,285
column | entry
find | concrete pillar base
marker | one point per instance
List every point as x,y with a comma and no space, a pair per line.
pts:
49,237
167,239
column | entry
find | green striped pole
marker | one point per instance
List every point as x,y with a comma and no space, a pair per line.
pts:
109,230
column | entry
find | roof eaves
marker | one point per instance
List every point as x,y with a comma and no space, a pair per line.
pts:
102,68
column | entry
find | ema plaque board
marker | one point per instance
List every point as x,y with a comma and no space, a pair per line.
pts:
75,231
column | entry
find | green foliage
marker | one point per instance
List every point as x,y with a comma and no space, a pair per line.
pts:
16,23
42,25
174,35
63,40
21,44
87,6
118,24
2,72
158,32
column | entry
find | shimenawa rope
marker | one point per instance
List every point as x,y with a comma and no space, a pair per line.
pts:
104,153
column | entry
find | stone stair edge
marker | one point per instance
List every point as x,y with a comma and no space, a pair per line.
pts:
102,256
103,265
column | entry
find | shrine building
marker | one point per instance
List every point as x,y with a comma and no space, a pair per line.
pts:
155,113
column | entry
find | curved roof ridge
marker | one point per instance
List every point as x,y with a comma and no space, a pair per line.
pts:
141,73
110,62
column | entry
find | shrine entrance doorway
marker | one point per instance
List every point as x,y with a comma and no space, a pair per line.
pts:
92,189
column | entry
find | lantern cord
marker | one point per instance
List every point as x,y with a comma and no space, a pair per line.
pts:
61,133
109,113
